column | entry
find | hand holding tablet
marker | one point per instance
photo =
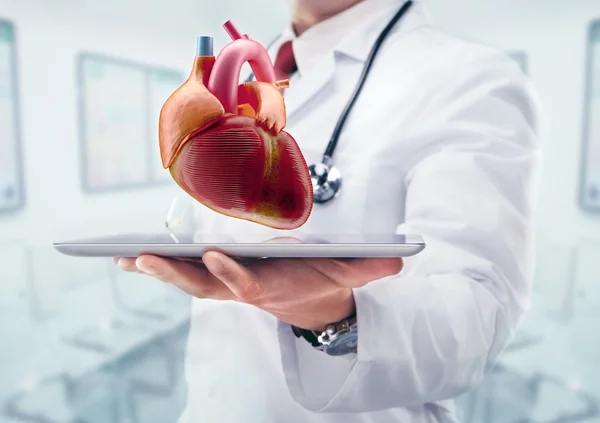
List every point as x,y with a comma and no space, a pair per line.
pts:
306,281
306,292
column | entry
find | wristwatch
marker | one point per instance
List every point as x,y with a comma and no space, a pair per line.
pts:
337,339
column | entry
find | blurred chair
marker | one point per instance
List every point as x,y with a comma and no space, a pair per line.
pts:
119,318
24,344
146,297
490,403
74,296
16,301
155,376
584,311
99,397
100,303
552,284
549,372
16,311
551,393
79,301
507,396
28,350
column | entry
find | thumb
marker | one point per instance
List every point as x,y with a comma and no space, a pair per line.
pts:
241,281
353,273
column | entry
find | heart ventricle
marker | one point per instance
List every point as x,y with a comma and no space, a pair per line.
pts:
237,168
242,164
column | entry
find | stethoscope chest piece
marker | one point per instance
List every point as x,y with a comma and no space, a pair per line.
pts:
326,181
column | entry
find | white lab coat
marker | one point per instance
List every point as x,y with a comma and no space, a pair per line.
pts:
444,143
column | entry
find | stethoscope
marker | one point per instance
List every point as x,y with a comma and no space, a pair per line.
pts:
326,178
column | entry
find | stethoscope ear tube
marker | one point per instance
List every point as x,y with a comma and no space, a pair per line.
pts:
363,77
326,178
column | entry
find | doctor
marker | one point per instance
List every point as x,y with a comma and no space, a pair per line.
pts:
442,141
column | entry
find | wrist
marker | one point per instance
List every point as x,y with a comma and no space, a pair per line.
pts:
338,337
341,307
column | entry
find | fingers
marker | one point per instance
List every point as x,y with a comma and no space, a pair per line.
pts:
241,260
221,277
127,264
241,281
190,278
357,272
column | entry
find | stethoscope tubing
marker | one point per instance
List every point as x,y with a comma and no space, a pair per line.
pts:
327,159
328,155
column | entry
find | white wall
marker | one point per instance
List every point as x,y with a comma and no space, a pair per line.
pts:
554,36
49,35
162,32
552,33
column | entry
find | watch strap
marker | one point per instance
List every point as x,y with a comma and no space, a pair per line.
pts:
312,337
308,335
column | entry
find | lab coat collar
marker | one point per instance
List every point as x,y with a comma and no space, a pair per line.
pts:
315,50
363,23
358,43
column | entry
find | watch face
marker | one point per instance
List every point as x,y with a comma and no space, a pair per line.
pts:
346,343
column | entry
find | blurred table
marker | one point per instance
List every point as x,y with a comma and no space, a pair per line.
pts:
67,331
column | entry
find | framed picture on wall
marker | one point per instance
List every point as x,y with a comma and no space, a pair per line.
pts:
119,106
589,184
12,196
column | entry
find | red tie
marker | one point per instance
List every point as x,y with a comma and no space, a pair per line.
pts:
285,63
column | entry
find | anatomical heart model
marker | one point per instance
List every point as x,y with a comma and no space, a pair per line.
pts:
224,143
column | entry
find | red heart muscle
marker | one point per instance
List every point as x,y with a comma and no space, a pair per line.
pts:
224,143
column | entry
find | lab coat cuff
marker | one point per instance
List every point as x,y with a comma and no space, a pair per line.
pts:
320,382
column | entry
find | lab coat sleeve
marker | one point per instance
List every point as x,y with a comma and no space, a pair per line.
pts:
431,332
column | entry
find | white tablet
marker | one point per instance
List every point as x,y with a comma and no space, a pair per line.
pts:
253,246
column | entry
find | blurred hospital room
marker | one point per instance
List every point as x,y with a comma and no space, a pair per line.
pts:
81,87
